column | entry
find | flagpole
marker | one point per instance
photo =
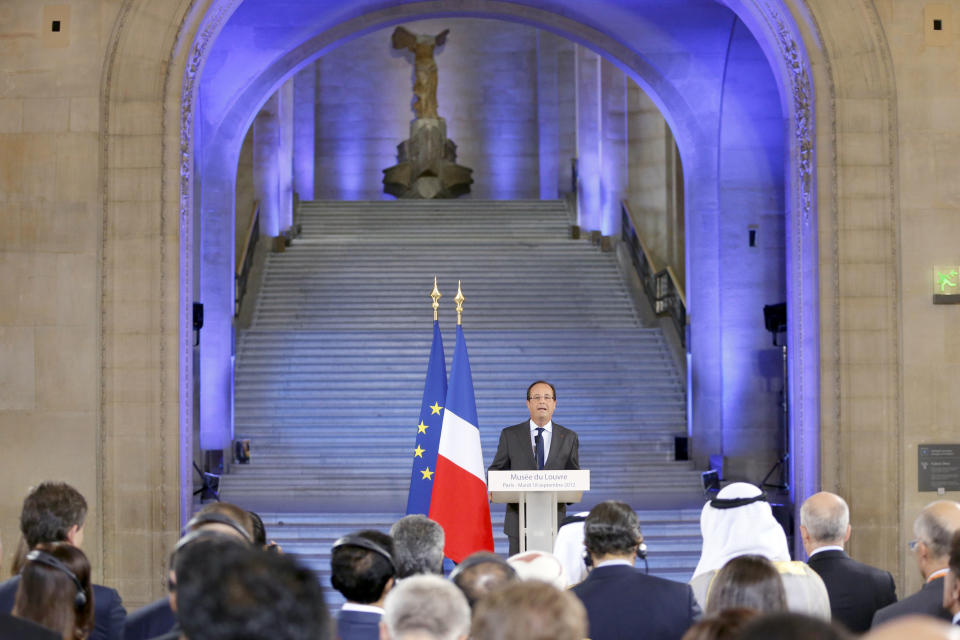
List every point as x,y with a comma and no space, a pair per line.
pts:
435,294
459,300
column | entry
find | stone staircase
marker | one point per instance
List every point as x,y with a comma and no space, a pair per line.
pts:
330,372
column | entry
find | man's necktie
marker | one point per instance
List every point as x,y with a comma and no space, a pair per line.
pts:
539,447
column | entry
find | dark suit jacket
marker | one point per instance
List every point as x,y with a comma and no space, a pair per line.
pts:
150,621
12,628
514,452
856,590
358,625
108,612
929,601
623,603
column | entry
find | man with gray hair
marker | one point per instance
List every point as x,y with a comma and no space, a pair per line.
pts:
417,546
932,530
856,590
425,607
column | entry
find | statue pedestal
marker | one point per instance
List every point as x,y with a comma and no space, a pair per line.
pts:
427,164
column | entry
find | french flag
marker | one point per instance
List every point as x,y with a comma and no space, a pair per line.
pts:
459,502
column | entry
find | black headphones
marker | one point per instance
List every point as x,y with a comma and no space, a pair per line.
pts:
218,518
478,558
733,503
354,540
79,600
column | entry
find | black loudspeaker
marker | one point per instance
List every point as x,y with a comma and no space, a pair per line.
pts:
197,316
681,448
775,317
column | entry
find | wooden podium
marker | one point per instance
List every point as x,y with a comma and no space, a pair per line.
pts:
538,493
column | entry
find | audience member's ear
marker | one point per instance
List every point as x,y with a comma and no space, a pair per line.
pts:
391,583
172,591
75,535
384,635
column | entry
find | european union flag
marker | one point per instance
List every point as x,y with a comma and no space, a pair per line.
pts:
428,428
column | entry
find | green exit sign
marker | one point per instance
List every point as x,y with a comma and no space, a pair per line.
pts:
946,285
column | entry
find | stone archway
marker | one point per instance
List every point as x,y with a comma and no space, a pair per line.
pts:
148,420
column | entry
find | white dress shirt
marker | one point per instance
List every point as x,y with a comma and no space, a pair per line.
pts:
547,438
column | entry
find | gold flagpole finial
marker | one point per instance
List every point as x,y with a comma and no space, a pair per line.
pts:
435,294
459,300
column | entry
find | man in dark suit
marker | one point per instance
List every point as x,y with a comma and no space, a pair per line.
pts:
856,590
55,512
535,444
622,601
362,568
933,530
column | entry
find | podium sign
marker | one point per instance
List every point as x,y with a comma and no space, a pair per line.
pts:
538,493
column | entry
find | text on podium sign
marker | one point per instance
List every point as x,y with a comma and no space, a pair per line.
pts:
544,480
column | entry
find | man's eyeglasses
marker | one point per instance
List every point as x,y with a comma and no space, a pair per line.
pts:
539,398
912,545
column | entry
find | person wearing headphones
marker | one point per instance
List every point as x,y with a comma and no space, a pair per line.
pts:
362,568
622,601
55,512
55,591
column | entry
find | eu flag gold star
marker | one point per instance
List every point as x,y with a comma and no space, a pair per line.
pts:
422,428
427,474
418,452
435,409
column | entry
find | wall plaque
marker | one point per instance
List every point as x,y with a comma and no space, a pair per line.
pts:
938,467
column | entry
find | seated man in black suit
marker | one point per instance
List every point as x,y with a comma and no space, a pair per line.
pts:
621,601
55,512
933,530
535,444
856,590
362,568
158,618
236,590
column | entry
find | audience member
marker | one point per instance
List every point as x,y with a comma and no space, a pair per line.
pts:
725,625
233,591
530,610
539,565
856,590
951,581
363,570
568,547
260,534
621,601
914,627
933,529
417,546
739,521
425,607
20,629
749,581
790,625
481,573
158,618
54,590
55,512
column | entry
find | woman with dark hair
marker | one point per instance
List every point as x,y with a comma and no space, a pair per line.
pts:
749,581
55,590
724,625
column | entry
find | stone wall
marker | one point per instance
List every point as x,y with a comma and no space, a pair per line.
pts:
50,316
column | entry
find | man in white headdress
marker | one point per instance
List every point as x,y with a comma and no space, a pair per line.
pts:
739,521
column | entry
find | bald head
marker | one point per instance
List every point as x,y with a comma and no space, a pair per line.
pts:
826,518
915,628
935,526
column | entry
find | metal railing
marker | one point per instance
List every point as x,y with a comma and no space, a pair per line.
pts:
245,259
661,286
